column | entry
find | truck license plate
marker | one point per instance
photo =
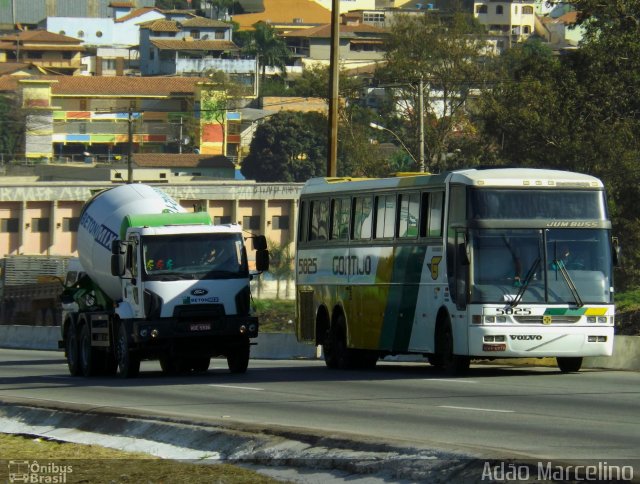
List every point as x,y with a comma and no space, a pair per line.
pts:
200,327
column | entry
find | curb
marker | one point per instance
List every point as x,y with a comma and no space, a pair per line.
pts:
284,346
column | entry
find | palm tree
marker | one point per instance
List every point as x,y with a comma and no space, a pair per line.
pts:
269,49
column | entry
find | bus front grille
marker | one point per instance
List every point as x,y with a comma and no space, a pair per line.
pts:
560,319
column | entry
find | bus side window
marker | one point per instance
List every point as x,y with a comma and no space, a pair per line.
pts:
340,218
302,221
385,216
431,214
362,218
319,220
409,212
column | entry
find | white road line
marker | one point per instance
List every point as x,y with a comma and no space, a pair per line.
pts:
477,409
237,387
452,380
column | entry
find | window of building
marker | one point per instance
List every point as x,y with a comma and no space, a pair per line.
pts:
526,29
152,54
528,10
34,55
221,219
482,9
67,55
280,222
499,9
39,225
195,34
70,224
373,17
10,225
219,35
251,222
385,216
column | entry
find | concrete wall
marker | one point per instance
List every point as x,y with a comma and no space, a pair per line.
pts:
279,346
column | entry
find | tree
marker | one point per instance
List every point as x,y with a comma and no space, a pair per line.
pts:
288,147
270,49
281,264
441,53
12,126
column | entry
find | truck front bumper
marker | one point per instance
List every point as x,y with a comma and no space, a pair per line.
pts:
155,331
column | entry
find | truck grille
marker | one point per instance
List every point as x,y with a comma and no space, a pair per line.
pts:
199,311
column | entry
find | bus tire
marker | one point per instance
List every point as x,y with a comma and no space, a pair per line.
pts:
569,364
72,348
336,353
444,358
128,363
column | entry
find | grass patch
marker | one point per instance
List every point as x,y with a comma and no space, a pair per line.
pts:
276,315
95,464
628,300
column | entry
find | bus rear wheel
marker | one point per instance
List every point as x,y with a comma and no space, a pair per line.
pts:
569,364
336,353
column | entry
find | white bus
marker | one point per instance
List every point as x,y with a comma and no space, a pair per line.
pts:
469,264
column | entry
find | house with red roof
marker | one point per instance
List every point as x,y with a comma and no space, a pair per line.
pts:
52,53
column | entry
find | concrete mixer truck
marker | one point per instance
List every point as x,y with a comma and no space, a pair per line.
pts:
158,283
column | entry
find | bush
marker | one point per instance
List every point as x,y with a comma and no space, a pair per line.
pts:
276,315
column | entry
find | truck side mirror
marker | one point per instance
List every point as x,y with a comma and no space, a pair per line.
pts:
259,242
117,265
262,260
118,247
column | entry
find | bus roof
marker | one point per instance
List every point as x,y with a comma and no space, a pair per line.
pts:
497,177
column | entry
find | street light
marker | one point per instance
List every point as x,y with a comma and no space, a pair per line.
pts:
382,128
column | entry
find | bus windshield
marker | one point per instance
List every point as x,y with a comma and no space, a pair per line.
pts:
530,204
549,262
193,256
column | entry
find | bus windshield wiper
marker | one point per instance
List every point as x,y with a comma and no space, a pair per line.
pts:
570,284
532,270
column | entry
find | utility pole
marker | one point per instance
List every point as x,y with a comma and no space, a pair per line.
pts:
130,148
421,163
332,155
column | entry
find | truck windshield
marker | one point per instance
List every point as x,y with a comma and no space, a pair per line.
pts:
193,256
502,259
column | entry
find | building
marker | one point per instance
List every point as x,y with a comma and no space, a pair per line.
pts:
284,15
359,45
29,13
53,53
77,117
42,218
190,47
511,20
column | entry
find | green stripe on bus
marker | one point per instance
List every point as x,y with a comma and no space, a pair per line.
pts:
564,312
403,295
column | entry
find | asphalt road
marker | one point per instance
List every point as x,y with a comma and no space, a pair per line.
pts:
495,411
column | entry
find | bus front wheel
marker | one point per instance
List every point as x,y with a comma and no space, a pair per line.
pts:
569,364
444,358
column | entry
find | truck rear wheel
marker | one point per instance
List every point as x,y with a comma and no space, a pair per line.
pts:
72,348
128,364
238,357
87,356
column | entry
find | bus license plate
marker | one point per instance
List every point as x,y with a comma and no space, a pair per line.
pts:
200,327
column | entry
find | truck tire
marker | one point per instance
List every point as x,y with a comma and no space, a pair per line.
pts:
238,357
128,363
88,360
72,349
201,364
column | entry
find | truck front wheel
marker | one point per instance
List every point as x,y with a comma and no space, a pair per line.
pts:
238,357
72,348
128,364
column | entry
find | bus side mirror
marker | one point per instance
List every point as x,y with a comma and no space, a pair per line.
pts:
262,260
259,242
615,243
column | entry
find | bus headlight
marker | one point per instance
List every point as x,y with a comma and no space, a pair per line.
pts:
591,319
603,319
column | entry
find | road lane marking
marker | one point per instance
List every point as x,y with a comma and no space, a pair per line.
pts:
238,387
477,409
452,380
